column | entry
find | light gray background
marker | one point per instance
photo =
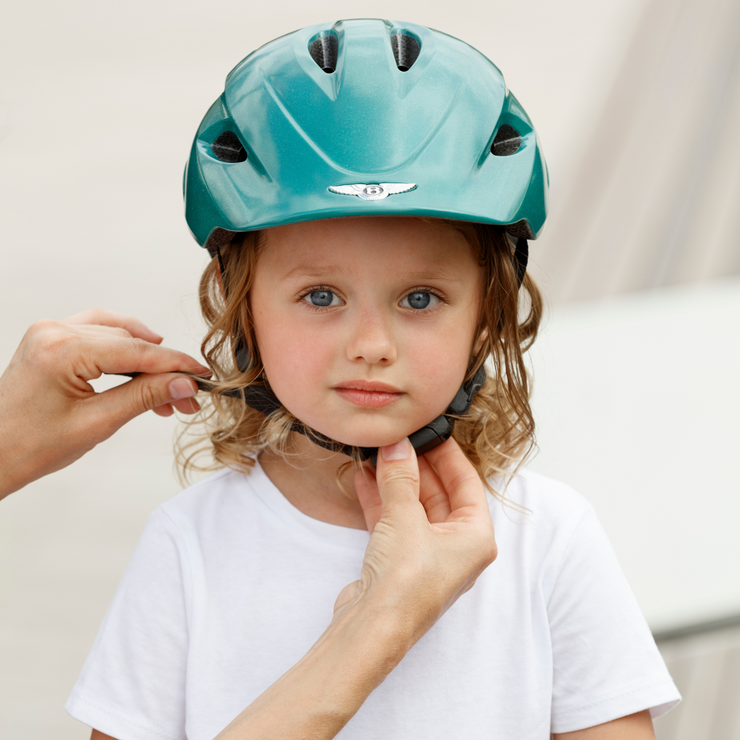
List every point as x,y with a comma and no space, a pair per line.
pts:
635,396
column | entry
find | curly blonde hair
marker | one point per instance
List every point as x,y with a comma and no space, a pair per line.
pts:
497,433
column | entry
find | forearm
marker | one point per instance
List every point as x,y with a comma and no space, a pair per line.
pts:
24,459
14,472
318,696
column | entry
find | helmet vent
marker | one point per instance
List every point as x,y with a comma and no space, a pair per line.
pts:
506,142
228,148
405,49
323,51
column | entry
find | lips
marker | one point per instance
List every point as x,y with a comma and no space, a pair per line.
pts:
368,394
373,386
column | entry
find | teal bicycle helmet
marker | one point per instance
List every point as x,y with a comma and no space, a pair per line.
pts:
364,117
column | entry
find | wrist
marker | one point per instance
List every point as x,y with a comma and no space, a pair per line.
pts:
12,476
366,641
328,685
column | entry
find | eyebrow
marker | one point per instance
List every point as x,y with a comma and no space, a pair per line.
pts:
313,271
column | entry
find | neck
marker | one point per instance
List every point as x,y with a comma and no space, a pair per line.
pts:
310,479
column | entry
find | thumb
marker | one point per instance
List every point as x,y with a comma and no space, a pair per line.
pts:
119,405
397,473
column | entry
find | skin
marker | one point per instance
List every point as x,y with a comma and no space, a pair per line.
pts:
371,333
45,390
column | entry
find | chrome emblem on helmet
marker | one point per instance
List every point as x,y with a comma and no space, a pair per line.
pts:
373,191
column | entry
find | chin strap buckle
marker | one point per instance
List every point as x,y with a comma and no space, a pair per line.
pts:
440,430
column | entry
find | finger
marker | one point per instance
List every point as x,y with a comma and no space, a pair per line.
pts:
104,317
119,405
459,478
368,495
120,355
164,410
432,493
186,405
99,330
85,330
397,475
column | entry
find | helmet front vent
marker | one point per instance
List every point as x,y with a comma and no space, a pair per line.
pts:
228,148
405,49
323,51
506,142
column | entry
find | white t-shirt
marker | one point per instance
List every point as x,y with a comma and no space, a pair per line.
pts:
230,585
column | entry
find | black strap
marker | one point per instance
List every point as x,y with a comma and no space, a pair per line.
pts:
262,399
521,254
223,271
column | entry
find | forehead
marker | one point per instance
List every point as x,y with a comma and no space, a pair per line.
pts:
369,243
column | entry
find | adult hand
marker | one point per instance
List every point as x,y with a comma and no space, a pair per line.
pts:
431,534
50,415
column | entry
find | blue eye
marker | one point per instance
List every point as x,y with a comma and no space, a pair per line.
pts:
419,300
322,298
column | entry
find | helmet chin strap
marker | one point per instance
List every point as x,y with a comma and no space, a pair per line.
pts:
262,399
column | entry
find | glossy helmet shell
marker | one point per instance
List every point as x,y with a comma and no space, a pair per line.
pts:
372,104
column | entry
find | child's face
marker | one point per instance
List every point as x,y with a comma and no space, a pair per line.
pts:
384,300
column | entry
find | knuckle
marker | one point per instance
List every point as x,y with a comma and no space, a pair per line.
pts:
43,331
47,341
96,314
40,326
123,332
399,474
148,397
139,347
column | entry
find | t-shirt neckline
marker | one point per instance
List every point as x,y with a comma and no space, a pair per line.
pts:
272,497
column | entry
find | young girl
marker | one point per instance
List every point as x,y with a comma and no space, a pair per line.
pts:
366,190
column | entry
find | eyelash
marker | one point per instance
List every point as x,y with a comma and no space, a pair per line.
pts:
418,289
311,306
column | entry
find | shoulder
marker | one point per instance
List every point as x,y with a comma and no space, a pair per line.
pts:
219,495
539,498
538,522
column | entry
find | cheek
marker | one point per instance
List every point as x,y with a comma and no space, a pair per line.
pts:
438,360
295,360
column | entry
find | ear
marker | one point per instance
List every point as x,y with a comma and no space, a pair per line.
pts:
481,339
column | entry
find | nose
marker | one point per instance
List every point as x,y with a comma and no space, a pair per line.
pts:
371,338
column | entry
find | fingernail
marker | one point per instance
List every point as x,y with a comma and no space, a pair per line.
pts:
398,451
181,388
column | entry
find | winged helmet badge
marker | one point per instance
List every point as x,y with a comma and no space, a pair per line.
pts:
376,191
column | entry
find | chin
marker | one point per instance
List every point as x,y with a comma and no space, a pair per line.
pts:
368,437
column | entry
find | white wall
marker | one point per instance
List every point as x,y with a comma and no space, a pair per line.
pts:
638,405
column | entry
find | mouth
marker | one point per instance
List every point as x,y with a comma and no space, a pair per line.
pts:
368,394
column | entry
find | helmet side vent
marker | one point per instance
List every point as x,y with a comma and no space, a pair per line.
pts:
405,49
323,51
228,148
506,142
